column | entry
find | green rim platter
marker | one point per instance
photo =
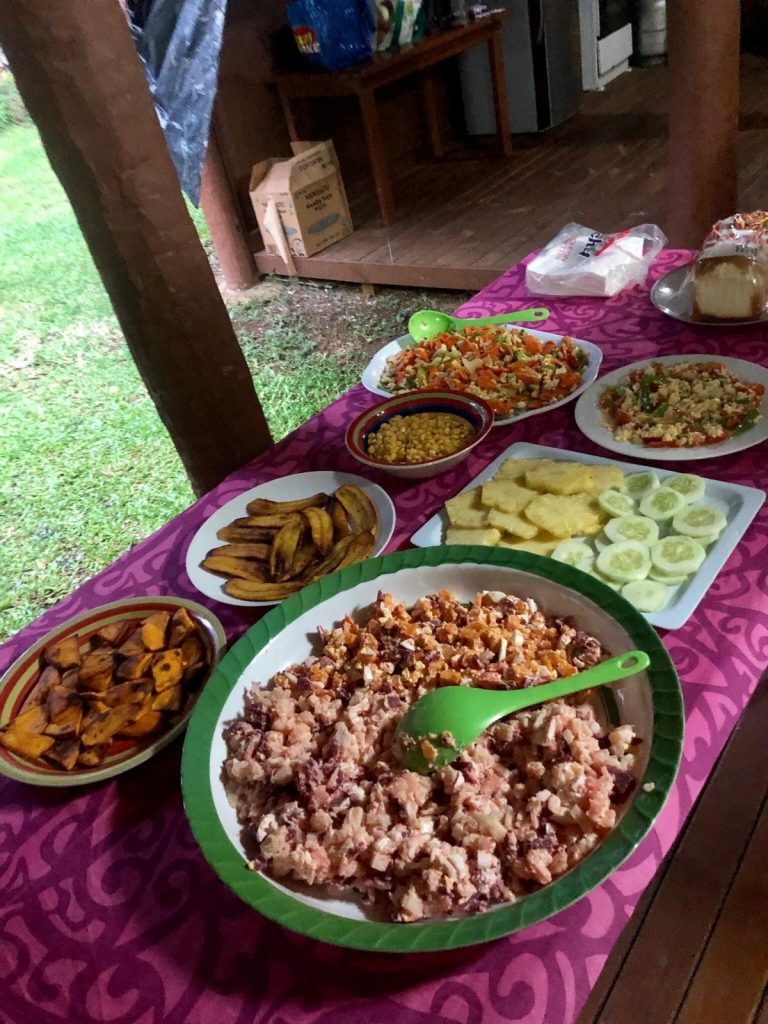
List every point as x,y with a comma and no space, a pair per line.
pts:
257,891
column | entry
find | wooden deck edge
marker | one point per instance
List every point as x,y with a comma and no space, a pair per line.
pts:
407,275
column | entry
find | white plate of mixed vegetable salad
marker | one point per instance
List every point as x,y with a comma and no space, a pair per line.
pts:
677,408
519,372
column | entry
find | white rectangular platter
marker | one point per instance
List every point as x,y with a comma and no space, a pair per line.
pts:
738,504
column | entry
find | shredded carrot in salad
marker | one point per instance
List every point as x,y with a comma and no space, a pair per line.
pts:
512,369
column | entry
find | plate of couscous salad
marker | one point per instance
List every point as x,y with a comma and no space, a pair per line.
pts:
518,372
677,408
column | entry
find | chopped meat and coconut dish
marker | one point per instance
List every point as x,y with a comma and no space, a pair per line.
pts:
313,769
682,405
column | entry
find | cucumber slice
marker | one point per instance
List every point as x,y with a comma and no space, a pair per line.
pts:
640,484
602,541
615,503
626,561
663,577
607,581
678,556
575,553
632,528
646,595
662,504
709,539
699,521
688,484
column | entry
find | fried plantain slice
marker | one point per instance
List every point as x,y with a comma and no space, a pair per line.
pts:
360,548
267,521
332,559
340,520
250,590
263,506
254,552
245,534
224,565
321,528
284,549
359,508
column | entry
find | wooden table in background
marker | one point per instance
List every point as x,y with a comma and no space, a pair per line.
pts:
364,79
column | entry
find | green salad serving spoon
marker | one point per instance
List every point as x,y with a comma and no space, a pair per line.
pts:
442,723
428,323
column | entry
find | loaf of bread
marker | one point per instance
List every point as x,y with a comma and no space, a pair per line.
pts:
729,288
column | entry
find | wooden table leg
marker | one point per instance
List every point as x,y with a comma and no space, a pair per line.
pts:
377,153
496,55
427,83
290,121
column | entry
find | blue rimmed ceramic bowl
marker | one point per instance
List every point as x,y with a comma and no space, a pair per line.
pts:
476,411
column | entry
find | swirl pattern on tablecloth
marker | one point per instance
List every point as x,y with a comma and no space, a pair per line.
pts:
111,914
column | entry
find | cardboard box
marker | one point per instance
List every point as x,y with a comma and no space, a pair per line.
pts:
300,203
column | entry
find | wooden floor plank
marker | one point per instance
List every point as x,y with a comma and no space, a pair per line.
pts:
732,974
661,962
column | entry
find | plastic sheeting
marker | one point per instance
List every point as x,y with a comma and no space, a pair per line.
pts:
179,42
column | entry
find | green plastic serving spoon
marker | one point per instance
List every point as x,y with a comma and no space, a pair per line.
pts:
428,323
466,711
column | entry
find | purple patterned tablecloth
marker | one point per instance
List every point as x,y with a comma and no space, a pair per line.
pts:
109,913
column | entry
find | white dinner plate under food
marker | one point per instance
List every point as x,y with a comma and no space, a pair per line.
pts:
673,295
375,368
591,419
738,504
287,488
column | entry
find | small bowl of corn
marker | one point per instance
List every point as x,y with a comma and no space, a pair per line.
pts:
420,433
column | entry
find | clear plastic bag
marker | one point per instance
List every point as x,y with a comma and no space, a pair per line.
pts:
580,261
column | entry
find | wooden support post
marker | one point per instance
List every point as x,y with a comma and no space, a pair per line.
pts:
222,216
703,44
84,86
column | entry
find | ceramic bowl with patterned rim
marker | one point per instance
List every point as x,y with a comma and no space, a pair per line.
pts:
19,681
471,408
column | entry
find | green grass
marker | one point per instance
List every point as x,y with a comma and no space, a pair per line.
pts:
86,467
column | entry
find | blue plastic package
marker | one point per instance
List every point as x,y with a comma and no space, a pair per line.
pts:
333,34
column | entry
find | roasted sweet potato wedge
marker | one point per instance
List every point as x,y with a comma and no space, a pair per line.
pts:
64,753
100,726
23,735
65,711
149,721
65,654
153,631
135,667
182,624
135,691
97,663
113,634
132,645
192,650
89,757
50,676
170,699
70,679
167,669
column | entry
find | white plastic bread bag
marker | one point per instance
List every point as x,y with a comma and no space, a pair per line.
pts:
580,261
